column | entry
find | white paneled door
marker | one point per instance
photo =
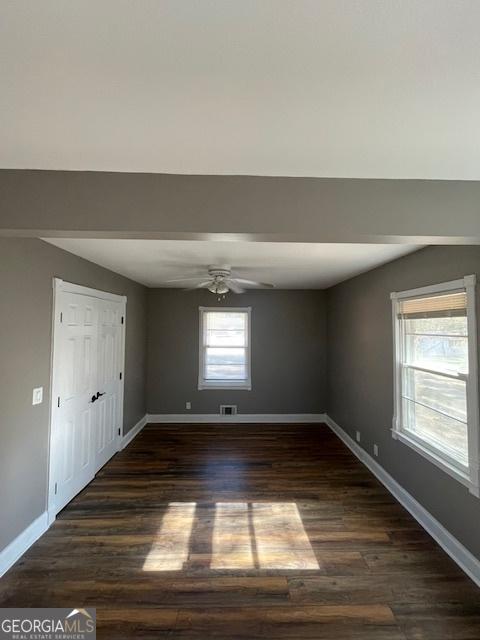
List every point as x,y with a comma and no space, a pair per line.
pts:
87,388
109,348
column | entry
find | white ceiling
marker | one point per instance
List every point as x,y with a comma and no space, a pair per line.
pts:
286,265
346,88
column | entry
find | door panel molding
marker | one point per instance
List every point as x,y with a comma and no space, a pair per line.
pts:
64,320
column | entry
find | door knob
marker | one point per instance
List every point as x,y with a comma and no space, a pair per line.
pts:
100,394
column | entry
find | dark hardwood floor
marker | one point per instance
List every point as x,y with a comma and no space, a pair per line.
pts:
245,531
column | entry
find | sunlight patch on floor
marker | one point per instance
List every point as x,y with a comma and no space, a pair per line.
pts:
231,539
171,547
281,539
244,536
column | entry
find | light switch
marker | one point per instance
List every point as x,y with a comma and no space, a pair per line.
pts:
37,396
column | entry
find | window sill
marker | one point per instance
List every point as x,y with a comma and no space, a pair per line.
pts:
436,459
225,386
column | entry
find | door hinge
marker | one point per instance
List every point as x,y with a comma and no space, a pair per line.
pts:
118,431
61,316
58,401
55,488
123,319
120,375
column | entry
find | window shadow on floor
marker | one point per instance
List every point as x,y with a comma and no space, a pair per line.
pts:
234,536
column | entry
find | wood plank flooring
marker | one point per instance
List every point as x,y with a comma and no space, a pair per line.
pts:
246,532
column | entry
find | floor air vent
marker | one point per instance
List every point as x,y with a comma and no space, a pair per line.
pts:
228,409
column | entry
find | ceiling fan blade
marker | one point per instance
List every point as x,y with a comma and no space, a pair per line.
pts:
266,285
232,284
200,285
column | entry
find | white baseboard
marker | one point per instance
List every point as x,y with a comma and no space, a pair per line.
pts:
205,418
22,542
455,549
128,437
28,536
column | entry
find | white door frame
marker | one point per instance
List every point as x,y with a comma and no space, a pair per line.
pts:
60,286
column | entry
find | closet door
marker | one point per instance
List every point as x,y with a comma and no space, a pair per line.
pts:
110,359
75,414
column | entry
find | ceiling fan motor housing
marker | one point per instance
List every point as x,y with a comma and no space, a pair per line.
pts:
219,272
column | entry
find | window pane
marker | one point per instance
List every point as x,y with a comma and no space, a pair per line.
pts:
225,329
456,326
443,394
441,353
444,433
225,320
225,338
225,372
225,364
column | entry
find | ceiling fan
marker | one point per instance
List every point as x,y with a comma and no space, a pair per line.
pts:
220,280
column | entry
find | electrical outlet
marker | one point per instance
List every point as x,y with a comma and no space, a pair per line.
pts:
375,450
358,436
37,397
188,405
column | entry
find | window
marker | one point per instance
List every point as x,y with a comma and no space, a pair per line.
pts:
436,392
224,361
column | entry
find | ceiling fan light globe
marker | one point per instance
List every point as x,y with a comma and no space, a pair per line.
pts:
222,288
218,288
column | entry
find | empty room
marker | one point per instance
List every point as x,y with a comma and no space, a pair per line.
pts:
240,308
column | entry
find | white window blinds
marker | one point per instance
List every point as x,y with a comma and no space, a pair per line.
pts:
441,306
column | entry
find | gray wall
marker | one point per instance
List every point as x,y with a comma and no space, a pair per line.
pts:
100,204
27,267
360,377
290,348
288,352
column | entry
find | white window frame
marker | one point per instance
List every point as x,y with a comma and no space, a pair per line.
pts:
245,385
468,476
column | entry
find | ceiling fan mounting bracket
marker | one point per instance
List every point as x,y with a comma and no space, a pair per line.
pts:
219,272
